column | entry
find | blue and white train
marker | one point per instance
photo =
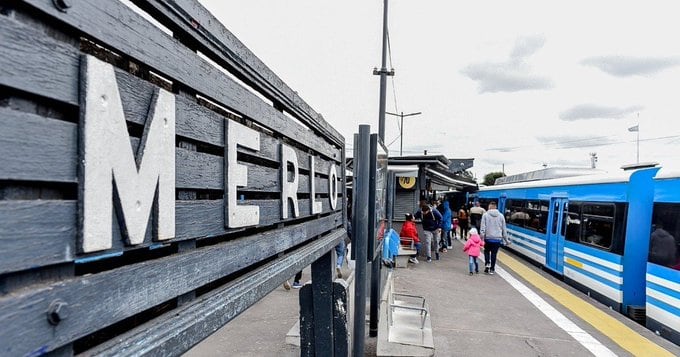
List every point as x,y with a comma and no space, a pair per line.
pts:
616,238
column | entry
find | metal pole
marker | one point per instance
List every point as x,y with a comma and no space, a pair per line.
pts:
383,78
638,144
360,220
401,136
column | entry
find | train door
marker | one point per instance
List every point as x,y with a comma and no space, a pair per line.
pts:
554,245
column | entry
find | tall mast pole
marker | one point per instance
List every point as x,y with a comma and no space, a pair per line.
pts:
383,72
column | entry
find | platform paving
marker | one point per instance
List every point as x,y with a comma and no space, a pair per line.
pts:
477,315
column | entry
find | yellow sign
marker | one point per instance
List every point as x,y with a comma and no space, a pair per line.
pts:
407,182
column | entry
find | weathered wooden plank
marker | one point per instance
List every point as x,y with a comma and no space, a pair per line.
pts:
98,300
197,122
193,120
35,63
36,233
43,232
114,24
43,149
175,332
204,171
194,21
36,148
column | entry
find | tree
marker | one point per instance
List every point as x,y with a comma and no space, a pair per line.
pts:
490,178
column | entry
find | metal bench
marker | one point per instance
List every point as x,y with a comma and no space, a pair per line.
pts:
404,328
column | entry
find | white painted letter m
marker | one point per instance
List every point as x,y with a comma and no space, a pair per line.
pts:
107,159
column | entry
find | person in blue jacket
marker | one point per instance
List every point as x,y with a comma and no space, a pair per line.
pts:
446,226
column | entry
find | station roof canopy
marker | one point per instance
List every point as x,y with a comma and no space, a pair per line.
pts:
438,169
404,170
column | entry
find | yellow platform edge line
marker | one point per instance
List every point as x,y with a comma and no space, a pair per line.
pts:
621,334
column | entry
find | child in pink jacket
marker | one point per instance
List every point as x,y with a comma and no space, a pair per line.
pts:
473,247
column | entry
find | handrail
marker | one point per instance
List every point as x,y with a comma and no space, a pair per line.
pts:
413,296
421,309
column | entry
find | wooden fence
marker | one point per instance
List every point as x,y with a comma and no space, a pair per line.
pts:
230,185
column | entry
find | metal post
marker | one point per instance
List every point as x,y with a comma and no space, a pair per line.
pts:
373,246
383,72
638,144
360,227
401,136
322,298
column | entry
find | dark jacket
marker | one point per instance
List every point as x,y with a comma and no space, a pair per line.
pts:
431,220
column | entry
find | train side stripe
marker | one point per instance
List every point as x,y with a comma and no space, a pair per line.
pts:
609,274
527,244
663,301
664,290
621,334
595,284
604,263
527,237
528,252
663,282
663,316
594,270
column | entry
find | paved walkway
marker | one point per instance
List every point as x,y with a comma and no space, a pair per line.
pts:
520,311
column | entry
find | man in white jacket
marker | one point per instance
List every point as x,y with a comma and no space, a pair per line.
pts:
493,232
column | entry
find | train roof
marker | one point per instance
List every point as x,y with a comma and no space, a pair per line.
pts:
667,173
619,176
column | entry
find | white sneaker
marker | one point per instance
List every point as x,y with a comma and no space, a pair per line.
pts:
413,260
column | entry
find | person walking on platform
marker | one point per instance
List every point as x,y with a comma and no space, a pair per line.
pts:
408,235
476,213
463,222
431,219
493,231
472,247
446,226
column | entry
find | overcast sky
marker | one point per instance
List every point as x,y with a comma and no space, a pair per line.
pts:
513,83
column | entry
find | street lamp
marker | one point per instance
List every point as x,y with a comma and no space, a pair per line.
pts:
401,128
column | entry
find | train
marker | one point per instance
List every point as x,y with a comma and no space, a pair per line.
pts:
615,237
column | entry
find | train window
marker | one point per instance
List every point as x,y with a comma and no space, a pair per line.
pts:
543,219
573,218
664,244
597,224
536,215
556,217
565,218
515,213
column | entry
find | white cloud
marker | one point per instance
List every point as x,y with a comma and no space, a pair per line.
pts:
626,66
595,111
513,75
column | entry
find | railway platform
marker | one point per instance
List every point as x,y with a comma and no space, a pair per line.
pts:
519,311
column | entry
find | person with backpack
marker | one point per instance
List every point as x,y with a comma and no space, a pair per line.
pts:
431,219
